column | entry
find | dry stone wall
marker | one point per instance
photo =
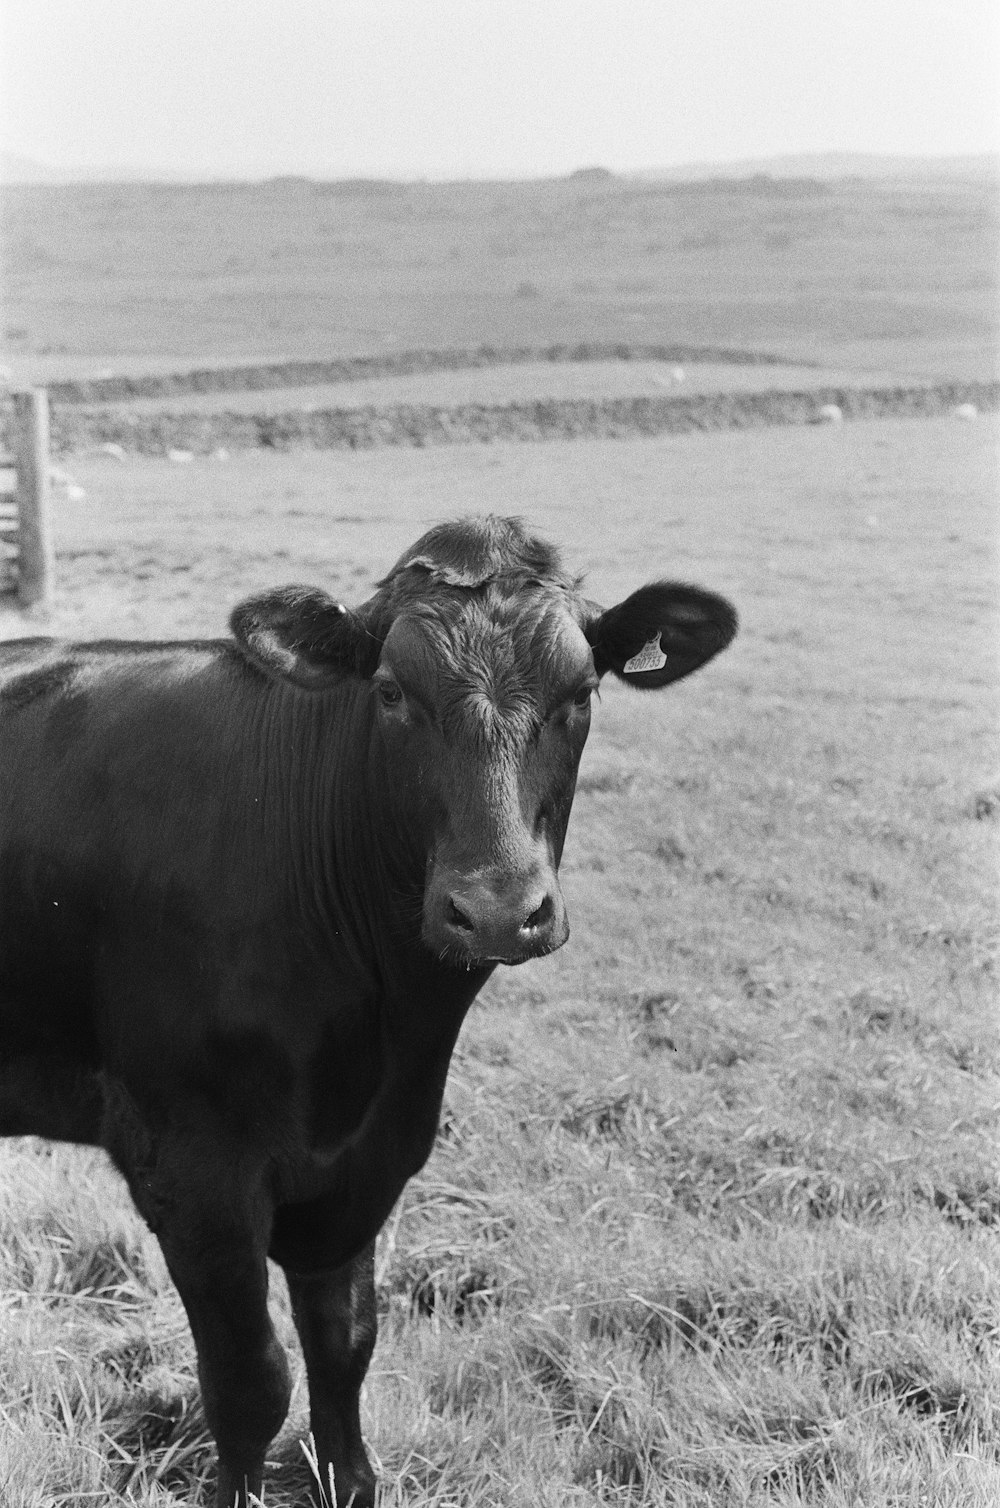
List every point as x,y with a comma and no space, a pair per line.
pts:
76,428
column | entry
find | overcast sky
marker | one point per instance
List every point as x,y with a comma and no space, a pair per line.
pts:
442,88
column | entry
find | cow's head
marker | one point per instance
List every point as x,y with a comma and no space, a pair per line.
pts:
481,656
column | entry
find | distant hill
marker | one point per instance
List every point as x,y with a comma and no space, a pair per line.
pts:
804,165
827,165
871,274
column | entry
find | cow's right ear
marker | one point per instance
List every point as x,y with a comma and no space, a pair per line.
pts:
301,634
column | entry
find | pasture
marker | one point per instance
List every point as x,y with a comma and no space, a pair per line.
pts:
874,276
712,1218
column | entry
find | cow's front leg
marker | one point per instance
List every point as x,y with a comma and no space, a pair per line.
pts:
214,1236
335,1317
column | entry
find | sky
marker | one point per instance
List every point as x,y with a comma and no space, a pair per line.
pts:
490,88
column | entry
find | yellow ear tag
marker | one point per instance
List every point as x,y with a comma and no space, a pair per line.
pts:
650,657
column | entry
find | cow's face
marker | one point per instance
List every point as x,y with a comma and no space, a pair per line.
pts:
481,658
483,703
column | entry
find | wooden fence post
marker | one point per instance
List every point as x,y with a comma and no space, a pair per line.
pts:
36,561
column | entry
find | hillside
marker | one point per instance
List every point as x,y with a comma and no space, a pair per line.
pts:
870,275
982,166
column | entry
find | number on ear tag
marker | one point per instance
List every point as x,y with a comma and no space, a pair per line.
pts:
650,657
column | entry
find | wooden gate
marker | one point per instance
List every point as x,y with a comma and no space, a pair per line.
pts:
26,556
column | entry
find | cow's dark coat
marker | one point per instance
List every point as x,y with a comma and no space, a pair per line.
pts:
249,889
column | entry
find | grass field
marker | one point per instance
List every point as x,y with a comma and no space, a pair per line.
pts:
712,1219
896,276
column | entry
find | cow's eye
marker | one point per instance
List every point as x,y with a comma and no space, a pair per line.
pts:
582,698
389,692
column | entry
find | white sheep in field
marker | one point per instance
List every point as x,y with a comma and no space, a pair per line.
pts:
60,477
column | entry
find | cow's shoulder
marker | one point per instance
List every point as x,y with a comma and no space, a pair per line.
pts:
29,669
37,670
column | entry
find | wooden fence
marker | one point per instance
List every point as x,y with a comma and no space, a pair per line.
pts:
26,557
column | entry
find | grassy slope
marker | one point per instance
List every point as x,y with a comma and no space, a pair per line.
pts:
864,275
713,1215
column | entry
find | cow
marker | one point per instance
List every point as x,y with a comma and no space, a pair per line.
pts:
249,888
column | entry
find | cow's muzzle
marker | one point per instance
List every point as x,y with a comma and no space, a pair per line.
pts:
480,921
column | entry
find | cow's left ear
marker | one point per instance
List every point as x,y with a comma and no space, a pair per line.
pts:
301,634
660,633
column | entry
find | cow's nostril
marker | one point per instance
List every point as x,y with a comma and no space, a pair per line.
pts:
541,915
458,918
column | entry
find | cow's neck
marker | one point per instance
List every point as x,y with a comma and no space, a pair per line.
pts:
358,868
356,887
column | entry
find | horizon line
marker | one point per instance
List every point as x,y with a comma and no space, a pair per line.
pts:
61,174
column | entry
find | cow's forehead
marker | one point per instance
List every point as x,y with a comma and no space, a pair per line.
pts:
525,642
474,552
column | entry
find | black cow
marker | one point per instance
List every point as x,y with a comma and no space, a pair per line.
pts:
249,889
